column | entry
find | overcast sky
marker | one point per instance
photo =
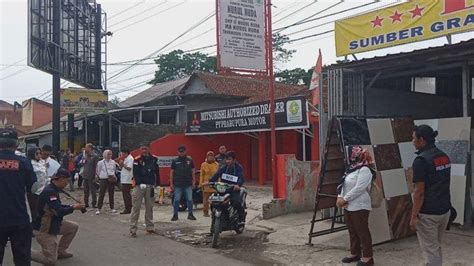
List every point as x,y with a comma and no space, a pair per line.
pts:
143,26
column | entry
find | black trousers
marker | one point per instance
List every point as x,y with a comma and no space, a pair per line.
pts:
236,202
20,240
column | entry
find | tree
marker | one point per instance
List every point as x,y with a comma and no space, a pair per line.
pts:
116,100
281,55
297,76
178,64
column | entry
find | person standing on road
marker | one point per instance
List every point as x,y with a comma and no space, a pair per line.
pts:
220,158
182,181
106,173
146,173
90,160
208,169
16,178
39,166
355,199
49,223
431,197
126,175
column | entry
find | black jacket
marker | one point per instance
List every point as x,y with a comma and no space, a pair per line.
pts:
51,211
146,170
16,178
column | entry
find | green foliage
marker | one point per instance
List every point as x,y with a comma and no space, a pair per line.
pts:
297,76
281,55
178,64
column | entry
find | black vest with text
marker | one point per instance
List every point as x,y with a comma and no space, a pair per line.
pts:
437,194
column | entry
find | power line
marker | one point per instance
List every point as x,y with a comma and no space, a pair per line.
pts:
146,18
12,64
296,11
127,9
207,17
16,73
138,14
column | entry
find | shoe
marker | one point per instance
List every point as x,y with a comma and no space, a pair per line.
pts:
126,212
370,262
151,232
97,212
191,217
113,211
64,255
351,259
133,235
206,215
175,218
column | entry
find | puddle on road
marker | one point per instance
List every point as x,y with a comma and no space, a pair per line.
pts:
247,247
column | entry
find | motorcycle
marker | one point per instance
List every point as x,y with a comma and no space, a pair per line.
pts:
224,216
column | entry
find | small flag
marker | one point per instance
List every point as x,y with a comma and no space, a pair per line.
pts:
315,80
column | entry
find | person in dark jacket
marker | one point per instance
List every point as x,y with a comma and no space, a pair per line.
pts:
232,173
146,174
431,197
16,178
182,180
220,158
49,222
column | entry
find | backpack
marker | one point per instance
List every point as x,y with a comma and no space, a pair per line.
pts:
375,192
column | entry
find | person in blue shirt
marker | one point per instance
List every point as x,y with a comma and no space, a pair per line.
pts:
232,173
16,178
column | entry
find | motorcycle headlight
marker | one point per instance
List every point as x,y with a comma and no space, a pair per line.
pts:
220,188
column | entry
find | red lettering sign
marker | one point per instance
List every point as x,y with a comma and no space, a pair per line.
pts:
451,6
12,165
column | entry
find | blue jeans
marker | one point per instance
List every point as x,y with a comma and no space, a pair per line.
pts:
188,194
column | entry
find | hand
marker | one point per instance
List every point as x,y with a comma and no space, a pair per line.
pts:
341,203
236,187
172,187
413,222
121,163
79,206
205,184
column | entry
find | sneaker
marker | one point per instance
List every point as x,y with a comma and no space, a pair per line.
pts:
351,259
151,231
206,215
175,218
191,217
97,212
113,211
125,212
133,235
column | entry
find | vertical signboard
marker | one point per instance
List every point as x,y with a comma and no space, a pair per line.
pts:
241,33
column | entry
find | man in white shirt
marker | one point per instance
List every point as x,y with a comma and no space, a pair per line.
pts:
52,165
126,174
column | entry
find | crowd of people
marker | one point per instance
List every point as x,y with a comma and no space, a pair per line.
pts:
44,178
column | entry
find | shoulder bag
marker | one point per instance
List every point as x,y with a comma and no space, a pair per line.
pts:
110,178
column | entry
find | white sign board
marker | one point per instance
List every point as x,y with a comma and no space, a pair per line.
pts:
165,161
242,34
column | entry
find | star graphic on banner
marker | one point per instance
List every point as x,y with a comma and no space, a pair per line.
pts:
396,17
417,12
377,22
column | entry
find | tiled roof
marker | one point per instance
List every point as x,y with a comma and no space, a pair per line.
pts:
253,89
155,92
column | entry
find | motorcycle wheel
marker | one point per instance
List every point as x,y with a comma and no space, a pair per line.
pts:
217,231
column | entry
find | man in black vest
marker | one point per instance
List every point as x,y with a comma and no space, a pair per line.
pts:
182,181
431,198
16,178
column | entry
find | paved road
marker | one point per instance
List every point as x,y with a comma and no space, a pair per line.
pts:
104,241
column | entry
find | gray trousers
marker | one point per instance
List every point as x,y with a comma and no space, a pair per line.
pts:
430,230
137,199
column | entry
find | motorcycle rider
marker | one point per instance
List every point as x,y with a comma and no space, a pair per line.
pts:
232,173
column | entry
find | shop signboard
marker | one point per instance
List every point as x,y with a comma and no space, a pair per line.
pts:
290,113
241,35
83,101
409,22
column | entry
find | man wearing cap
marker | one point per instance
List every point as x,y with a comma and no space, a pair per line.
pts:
182,181
146,174
16,178
49,223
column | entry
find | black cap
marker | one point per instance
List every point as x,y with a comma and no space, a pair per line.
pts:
61,173
8,133
181,148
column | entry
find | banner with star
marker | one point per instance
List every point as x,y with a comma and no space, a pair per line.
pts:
413,21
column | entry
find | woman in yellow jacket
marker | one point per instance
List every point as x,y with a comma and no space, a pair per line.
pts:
208,169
